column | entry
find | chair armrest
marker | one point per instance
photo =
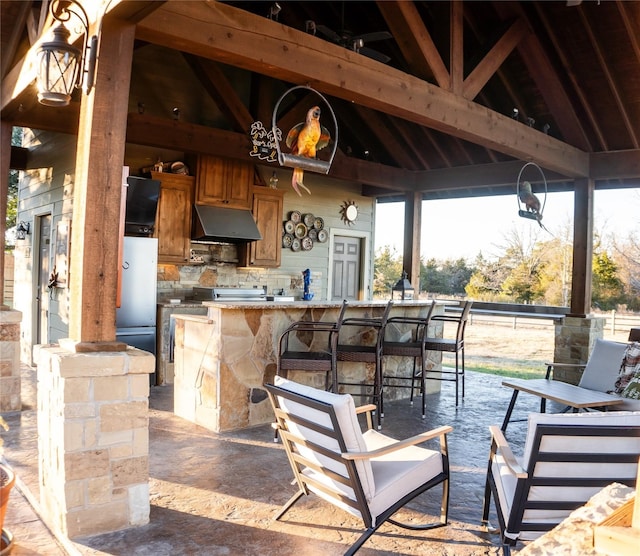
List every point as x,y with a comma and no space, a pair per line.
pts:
368,409
407,320
312,325
417,439
551,366
507,454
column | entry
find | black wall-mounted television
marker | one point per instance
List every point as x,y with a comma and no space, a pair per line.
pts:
142,203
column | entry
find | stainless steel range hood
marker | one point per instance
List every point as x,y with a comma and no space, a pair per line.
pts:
223,225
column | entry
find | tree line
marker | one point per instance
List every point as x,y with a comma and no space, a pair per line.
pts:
526,270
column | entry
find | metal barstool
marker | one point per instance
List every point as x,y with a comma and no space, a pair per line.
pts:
292,355
413,346
369,350
451,345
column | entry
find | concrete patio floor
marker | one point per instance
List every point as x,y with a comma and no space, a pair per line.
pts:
216,494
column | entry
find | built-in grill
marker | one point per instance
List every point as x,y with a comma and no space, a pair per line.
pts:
229,294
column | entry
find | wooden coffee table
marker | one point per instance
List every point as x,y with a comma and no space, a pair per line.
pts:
561,392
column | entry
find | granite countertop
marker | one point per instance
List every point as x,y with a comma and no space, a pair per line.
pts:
312,304
188,304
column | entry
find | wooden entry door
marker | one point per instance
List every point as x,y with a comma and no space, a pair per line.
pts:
44,271
346,268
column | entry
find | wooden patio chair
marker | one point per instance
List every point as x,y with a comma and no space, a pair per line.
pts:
368,474
567,459
366,351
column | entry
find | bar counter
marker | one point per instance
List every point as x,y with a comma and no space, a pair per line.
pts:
222,359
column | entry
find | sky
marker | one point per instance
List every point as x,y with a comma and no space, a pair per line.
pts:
456,228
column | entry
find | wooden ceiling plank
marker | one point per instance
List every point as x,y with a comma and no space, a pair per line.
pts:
386,137
219,88
559,102
488,66
633,31
9,51
456,45
44,16
414,41
615,164
615,90
219,31
411,141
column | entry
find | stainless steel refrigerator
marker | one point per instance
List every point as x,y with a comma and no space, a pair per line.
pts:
136,316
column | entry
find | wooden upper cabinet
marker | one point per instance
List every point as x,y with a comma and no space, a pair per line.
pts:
224,182
173,218
267,211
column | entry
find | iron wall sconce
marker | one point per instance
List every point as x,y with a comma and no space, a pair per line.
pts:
23,229
61,66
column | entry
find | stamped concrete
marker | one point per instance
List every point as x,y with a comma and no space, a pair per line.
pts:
216,494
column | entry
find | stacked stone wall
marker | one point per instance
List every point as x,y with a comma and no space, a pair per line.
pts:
93,439
10,390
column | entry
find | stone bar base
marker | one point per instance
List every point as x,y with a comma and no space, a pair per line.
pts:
221,361
93,439
10,389
574,341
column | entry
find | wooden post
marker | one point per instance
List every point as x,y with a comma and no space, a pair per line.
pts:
97,192
582,247
412,227
5,159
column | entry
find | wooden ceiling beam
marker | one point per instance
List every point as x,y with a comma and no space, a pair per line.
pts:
456,47
219,88
9,52
488,66
224,33
415,41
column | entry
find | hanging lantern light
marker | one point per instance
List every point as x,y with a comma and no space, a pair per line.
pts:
402,289
62,66
59,64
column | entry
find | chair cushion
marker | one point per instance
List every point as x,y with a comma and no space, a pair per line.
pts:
345,409
603,366
399,473
630,368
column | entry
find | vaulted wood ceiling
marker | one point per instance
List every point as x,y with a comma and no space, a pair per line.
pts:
437,116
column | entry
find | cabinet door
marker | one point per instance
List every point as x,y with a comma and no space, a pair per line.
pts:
222,181
173,219
211,188
239,177
267,211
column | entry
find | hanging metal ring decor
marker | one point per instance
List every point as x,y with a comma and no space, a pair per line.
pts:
295,161
529,205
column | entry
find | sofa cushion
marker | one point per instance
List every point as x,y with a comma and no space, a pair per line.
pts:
603,366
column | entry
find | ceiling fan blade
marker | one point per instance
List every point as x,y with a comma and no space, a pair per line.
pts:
329,33
375,36
374,54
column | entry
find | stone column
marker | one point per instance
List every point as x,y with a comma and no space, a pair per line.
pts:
574,341
93,439
10,385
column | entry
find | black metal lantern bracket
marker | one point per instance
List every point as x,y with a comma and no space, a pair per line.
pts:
63,67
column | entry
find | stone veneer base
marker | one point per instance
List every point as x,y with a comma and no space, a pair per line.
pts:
93,439
574,341
10,381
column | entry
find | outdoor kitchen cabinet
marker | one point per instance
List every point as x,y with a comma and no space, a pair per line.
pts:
224,182
173,218
267,212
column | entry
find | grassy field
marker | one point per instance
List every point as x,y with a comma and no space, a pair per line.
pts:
521,352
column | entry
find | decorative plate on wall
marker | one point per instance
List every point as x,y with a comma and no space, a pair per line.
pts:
301,230
323,236
289,226
295,216
308,219
287,240
318,223
296,244
307,243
